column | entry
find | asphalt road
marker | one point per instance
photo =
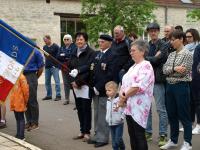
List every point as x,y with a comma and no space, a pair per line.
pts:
59,123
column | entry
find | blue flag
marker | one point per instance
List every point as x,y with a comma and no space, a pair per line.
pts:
15,51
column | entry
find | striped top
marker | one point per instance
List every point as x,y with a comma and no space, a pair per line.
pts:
183,57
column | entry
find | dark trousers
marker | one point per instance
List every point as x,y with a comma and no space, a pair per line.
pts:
67,85
100,125
84,114
137,135
178,108
19,116
32,113
196,97
192,105
117,134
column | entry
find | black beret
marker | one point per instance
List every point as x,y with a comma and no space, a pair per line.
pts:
153,26
106,37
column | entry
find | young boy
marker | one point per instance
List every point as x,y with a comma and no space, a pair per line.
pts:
18,101
114,116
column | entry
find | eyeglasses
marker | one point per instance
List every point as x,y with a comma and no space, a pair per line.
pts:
66,39
188,36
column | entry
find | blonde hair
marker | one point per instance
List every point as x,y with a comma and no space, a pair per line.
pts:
112,84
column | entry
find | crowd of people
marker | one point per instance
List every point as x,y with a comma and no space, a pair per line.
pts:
121,79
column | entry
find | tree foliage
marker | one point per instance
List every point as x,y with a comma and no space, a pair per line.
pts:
194,14
103,15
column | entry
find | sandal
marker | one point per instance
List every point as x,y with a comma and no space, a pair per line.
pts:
80,136
86,138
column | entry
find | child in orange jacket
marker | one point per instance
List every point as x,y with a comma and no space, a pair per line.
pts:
18,102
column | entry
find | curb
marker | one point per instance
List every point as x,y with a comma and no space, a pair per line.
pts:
20,142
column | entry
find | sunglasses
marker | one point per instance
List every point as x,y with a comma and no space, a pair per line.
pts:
66,39
188,36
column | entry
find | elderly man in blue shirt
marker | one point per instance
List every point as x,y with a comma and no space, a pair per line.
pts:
32,72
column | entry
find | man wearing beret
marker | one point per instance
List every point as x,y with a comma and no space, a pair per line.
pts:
102,71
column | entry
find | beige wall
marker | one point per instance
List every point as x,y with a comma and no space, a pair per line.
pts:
175,16
35,18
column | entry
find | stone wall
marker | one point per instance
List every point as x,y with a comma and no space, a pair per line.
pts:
35,18
175,16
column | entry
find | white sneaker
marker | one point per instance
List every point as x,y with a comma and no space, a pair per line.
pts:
181,129
196,130
168,145
186,146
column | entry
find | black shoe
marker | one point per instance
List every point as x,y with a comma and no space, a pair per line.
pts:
100,144
91,141
57,98
66,102
47,98
2,125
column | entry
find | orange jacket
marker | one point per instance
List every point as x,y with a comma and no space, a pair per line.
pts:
19,96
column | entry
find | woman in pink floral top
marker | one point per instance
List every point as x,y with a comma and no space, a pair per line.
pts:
137,92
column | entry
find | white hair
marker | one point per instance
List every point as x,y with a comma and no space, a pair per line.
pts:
67,36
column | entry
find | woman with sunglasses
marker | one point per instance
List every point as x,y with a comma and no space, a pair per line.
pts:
64,55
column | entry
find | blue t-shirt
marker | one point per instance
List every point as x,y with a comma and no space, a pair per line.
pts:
35,63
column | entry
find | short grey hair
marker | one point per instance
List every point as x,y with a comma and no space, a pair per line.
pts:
142,46
119,27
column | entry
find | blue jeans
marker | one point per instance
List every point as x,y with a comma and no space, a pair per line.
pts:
117,140
159,96
48,73
19,116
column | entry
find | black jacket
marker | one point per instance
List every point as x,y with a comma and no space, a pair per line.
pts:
64,53
82,63
122,56
158,61
101,70
196,64
196,74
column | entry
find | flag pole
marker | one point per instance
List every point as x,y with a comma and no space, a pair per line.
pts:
49,56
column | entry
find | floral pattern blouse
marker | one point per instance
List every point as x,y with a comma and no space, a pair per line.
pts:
138,106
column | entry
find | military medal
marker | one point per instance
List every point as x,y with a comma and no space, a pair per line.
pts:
103,66
92,66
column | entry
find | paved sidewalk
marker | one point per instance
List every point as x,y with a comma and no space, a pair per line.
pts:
8,142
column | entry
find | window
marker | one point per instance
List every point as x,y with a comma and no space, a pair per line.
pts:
186,1
71,26
145,36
